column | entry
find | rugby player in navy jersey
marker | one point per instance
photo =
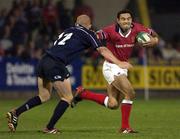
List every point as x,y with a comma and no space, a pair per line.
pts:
120,39
52,71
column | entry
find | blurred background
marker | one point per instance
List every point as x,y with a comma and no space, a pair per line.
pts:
28,27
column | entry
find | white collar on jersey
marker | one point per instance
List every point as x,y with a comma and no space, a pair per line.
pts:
127,34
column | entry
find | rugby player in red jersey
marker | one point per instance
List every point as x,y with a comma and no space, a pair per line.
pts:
120,39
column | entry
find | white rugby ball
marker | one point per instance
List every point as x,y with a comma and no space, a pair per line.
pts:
143,37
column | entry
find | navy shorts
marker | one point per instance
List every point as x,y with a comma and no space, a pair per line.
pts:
51,69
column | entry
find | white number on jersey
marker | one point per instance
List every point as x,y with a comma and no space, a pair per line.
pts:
63,38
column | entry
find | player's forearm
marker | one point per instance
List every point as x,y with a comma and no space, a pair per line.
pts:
110,57
107,54
154,41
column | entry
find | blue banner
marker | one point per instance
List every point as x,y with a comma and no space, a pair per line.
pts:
16,74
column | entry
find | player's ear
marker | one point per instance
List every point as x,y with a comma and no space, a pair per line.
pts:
90,26
117,20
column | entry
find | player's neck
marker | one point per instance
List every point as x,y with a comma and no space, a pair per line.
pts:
124,32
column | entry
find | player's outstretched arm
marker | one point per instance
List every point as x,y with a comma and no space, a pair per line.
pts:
107,54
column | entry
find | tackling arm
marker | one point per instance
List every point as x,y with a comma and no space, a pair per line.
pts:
107,54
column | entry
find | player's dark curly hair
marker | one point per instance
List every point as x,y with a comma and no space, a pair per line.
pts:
125,11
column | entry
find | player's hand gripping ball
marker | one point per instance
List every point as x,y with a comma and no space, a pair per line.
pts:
143,38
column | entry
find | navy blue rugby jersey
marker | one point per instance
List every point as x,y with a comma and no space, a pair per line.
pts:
72,42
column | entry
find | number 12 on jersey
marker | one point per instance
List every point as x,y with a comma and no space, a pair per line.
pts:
63,38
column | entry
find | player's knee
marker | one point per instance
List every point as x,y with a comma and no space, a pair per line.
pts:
68,98
44,97
113,104
132,94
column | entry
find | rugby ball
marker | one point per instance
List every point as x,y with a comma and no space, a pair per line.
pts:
143,37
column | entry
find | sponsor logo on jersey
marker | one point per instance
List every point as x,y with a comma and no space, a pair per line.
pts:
124,45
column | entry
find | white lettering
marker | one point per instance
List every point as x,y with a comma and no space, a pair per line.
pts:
124,45
15,79
70,68
19,68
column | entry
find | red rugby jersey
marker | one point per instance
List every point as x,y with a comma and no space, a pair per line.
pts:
121,46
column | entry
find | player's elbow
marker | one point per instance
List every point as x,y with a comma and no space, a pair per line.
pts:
132,95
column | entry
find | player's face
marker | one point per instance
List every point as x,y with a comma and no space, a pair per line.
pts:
125,21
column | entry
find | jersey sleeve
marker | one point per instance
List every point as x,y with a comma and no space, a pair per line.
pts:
141,28
103,36
95,42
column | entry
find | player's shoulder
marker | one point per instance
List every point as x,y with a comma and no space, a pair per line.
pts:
70,30
82,30
137,25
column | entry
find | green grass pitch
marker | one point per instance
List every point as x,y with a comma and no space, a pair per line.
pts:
155,119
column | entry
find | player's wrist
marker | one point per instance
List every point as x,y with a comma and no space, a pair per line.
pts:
154,41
